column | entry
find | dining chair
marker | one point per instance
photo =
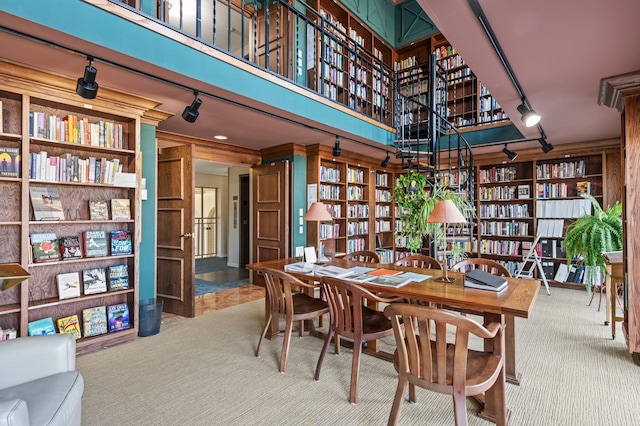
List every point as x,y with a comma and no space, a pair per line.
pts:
487,265
424,358
350,318
291,305
362,256
419,261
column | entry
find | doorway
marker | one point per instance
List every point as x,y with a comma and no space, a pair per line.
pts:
206,222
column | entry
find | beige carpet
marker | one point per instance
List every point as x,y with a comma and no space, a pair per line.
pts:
203,371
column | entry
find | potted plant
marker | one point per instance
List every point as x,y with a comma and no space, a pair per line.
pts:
416,199
591,235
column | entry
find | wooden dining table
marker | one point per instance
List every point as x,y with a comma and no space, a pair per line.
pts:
516,300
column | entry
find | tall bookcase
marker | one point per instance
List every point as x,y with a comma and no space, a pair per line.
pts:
34,106
353,64
358,196
539,196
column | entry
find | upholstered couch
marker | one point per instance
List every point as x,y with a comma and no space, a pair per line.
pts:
38,381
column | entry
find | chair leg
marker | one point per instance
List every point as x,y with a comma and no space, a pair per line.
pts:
401,390
285,345
355,370
325,348
500,400
460,408
264,333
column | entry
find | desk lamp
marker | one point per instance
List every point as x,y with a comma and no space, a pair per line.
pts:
445,212
318,213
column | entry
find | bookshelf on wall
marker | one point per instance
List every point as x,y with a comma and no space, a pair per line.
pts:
352,64
518,201
358,196
52,127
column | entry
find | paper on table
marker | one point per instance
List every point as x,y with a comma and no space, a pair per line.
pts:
416,277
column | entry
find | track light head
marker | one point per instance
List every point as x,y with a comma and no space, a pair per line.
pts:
510,154
190,112
385,162
529,117
336,148
87,86
546,146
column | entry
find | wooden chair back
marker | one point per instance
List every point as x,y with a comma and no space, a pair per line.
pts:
425,359
419,261
292,305
363,256
487,265
350,317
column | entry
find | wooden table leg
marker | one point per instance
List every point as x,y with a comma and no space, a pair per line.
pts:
512,375
488,412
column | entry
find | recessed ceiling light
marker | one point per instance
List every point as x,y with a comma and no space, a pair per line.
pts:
221,137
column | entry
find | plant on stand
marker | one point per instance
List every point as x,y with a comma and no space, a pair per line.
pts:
416,199
591,235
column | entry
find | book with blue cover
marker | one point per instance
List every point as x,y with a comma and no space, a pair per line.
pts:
41,327
118,317
120,242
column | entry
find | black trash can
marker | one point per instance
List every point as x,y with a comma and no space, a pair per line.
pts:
150,317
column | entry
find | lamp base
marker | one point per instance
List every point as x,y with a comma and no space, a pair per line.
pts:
445,280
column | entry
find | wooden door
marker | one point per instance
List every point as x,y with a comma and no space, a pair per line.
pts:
245,216
271,211
175,243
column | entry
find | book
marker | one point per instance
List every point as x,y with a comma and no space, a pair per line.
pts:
68,285
9,159
120,209
300,267
583,187
70,247
41,327
94,280
332,271
120,242
94,321
118,317
390,280
480,279
118,277
383,271
46,203
98,210
95,243
69,325
45,247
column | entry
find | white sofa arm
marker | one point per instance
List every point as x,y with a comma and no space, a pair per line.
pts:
14,413
30,358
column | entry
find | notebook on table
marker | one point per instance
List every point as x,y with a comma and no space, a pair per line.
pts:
478,278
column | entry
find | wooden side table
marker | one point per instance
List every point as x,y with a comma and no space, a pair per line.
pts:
615,276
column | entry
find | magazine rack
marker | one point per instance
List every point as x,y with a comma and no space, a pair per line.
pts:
11,274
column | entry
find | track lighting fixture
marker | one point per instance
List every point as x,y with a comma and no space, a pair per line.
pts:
529,117
87,86
336,148
190,112
385,162
546,146
510,154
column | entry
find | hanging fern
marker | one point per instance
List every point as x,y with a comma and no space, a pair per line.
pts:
591,235
416,200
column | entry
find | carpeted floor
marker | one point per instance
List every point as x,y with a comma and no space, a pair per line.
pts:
203,371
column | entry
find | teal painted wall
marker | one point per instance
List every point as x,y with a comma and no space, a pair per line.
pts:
147,256
412,23
375,15
112,32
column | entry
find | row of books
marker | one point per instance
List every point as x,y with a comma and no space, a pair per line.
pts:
47,247
74,129
95,321
47,205
71,168
8,333
94,281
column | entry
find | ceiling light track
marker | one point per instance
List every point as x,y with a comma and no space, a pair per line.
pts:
529,117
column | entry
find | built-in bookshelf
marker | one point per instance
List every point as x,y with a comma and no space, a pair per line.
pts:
519,201
75,150
384,219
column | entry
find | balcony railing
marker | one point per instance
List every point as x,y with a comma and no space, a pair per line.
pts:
295,42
